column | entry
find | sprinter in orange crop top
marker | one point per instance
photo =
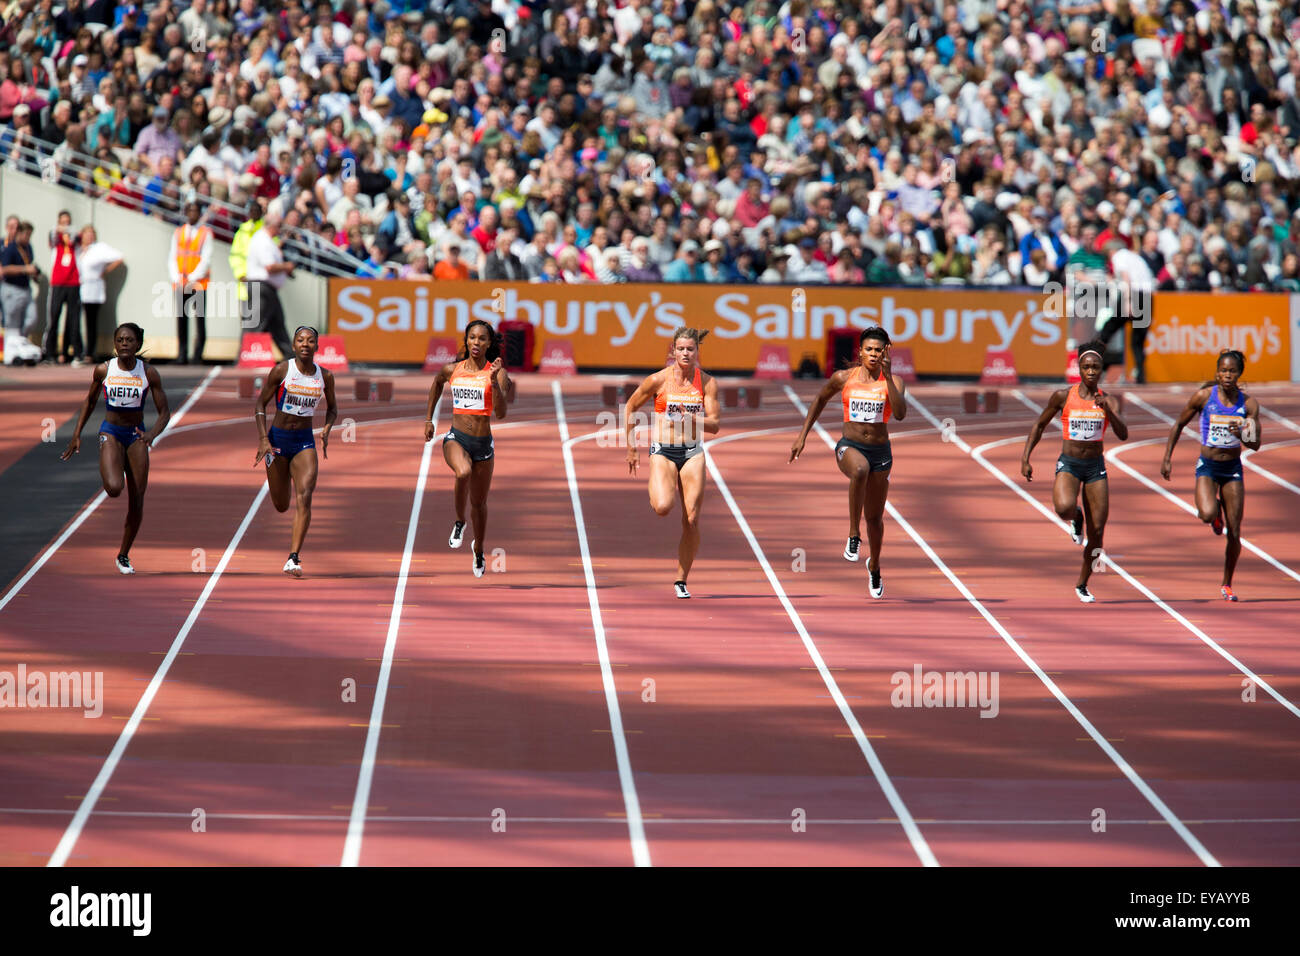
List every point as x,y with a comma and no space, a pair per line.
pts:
1085,411
872,395
478,391
686,408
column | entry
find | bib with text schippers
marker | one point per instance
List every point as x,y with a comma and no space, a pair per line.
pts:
123,390
299,393
681,400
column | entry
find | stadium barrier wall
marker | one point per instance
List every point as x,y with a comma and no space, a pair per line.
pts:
138,291
629,325
948,331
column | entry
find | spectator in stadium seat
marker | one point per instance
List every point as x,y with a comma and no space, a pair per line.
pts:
685,267
451,268
158,141
1041,237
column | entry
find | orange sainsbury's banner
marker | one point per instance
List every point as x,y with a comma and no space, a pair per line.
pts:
629,325
1189,329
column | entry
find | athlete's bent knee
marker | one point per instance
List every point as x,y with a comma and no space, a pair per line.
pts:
661,508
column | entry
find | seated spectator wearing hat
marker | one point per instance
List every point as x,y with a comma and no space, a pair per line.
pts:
1040,236
398,230
451,268
686,267
714,268
158,141
777,260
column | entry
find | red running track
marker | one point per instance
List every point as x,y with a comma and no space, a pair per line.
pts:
496,743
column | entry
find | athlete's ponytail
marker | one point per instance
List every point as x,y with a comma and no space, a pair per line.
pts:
686,332
494,342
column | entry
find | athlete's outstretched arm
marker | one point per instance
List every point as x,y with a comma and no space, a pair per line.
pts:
833,384
87,409
331,412
1190,411
638,398
1054,406
435,393
160,403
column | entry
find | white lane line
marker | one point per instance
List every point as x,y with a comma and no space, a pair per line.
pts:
1247,456
1134,778
919,844
706,821
1284,422
103,495
978,455
1113,457
92,796
365,776
631,802
1246,453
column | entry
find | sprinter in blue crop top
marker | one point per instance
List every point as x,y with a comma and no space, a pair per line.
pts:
1229,421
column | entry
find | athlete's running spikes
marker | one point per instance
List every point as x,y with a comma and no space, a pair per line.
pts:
1076,529
1227,593
479,561
292,566
1083,595
457,535
679,588
1217,524
876,584
851,548
124,564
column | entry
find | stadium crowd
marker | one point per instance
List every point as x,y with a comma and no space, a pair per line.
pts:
981,142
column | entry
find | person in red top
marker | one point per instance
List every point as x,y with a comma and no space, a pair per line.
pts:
1085,411
479,387
872,394
264,169
65,293
686,407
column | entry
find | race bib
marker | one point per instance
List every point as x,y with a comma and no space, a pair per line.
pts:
866,410
676,411
1086,425
67,259
1220,436
469,398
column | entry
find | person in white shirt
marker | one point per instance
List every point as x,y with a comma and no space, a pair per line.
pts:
94,261
266,273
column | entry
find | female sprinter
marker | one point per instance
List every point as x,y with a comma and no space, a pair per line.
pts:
1229,421
1085,410
686,406
123,442
872,395
478,391
297,385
